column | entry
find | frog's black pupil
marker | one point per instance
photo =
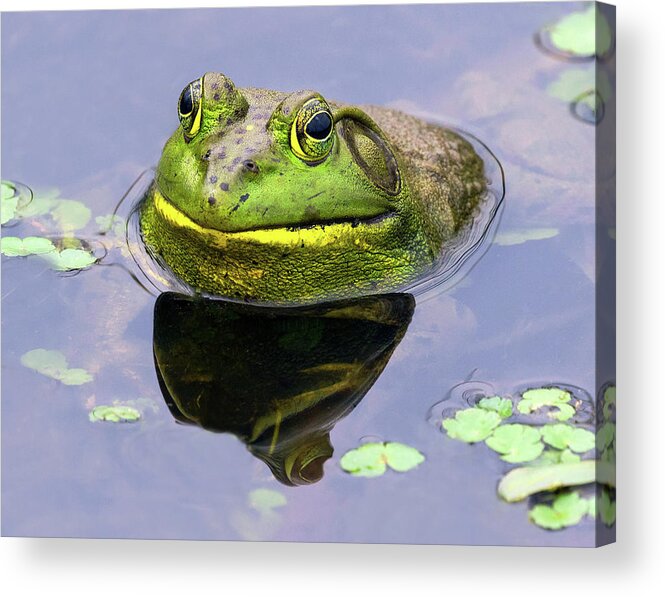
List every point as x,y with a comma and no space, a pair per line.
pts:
319,126
186,101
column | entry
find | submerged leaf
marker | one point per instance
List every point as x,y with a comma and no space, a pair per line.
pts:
502,406
520,236
516,443
557,457
53,363
566,510
111,223
265,501
9,199
537,398
609,402
472,424
370,460
114,414
561,436
605,436
71,215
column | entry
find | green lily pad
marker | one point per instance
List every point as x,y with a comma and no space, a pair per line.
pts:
557,457
566,510
606,437
563,436
70,259
371,459
527,480
516,443
265,501
53,363
582,34
520,236
609,402
556,398
13,246
472,424
502,406
114,414
607,508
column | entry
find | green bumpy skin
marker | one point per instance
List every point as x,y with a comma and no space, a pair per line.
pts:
247,204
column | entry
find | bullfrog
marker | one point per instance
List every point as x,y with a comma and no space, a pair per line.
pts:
288,198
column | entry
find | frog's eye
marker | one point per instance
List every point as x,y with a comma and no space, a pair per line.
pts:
189,108
312,131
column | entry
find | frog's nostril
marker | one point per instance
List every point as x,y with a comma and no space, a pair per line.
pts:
251,166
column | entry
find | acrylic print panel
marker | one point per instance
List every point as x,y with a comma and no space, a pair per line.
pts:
379,310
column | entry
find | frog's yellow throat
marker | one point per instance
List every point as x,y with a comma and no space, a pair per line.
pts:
285,266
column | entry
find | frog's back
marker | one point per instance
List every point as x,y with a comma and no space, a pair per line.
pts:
443,170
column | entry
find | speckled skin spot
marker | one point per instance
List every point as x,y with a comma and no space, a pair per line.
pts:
244,197
224,186
213,179
212,200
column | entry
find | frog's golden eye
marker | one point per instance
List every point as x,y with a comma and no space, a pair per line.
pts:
312,131
189,108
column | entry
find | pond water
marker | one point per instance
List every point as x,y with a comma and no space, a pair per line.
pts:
89,98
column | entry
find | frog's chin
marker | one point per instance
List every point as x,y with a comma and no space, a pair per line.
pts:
320,233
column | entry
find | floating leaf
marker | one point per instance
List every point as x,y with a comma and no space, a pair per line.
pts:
516,443
581,34
370,460
606,436
13,246
472,424
527,480
537,398
520,236
607,508
566,510
265,501
502,406
563,436
53,363
70,259
114,414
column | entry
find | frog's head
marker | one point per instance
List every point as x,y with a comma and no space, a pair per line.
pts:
284,198
254,159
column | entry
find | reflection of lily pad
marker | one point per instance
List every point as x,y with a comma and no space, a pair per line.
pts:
581,34
527,480
520,236
537,398
115,414
370,460
472,424
53,363
13,246
563,436
265,501
566,510
502,406
516,443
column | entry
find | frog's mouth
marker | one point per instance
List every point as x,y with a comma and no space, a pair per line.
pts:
319,233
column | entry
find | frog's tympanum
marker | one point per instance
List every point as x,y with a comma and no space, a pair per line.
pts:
287,198
278,379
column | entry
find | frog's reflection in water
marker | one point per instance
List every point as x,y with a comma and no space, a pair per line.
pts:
277,378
